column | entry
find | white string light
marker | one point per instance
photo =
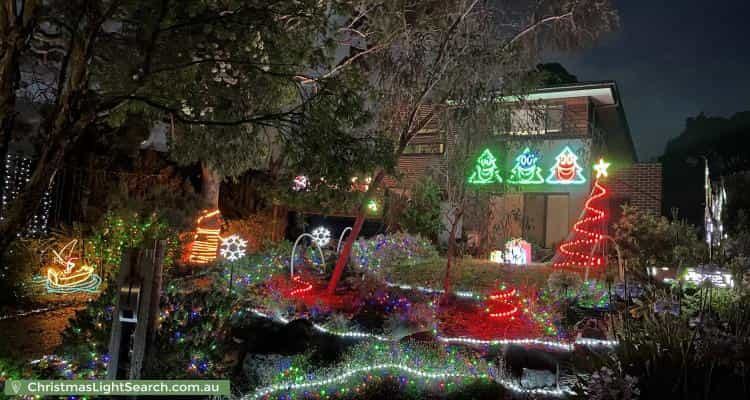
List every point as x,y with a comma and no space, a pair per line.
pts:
17,175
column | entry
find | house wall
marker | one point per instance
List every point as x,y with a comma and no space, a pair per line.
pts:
638,184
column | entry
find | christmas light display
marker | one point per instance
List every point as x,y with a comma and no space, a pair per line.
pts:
485,171
70,278
300,182
321,236
372,206
526,172
587,235
699,276
414,368
292,260
497,256
206,240
566,170
502,304
503,295
233,247
17,175
302,286
400,248
517,252
601,168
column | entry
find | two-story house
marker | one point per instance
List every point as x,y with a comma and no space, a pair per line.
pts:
536,162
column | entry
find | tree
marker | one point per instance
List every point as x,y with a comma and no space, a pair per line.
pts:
231,79
723,142
422,213
424,53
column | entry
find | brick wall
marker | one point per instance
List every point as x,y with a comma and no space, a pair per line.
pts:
638,184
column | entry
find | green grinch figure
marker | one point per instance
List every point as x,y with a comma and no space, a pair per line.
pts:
486,170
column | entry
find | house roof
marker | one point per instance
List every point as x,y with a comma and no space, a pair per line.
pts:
603,93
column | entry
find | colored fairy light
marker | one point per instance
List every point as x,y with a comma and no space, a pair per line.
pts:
206,239
566,170
601,168
517,252
578,251
233,247
321,236
372,205
526,171
486,170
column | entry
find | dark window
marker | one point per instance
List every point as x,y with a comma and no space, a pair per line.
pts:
425,148
527,121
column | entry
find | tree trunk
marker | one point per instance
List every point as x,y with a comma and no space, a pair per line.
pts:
356,229
211,185
29,199
451,254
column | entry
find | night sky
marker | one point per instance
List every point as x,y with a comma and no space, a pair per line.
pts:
672,60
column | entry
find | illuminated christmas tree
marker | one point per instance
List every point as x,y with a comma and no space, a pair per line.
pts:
588,232
486,170
566,170
526,172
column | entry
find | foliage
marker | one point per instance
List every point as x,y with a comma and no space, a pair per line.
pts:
723,142
607,384
17,266
653,241
192,332
85,341
422,213
699,353
122,229
409,355
560,282
395,251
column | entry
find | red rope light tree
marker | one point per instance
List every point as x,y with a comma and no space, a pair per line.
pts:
580,249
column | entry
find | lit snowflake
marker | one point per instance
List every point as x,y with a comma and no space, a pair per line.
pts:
233,247
321,236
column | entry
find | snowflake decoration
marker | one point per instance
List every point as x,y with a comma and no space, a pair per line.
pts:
233,247
321,236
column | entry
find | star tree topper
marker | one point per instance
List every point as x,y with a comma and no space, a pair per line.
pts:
601,168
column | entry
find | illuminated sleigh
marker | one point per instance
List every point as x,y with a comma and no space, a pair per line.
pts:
59,279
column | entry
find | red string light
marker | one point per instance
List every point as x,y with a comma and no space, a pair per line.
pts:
303,288
503,311
585,237
502,307
503,295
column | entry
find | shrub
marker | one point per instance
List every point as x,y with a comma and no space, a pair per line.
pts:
653,241
390,251
422,213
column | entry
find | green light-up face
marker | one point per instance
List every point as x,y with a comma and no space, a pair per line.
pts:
526,172
485,170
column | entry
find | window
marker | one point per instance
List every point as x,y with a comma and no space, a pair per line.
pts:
536,121
425,148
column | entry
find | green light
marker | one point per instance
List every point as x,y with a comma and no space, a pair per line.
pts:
485,170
